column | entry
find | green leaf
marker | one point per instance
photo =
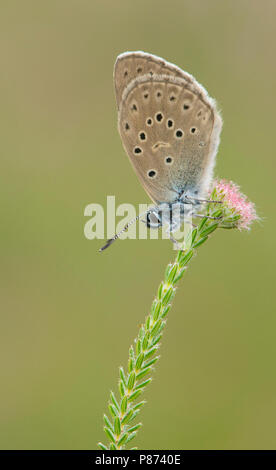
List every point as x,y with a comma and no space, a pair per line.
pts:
143,373
156,311
180,275
148,322
139,405
173,273
134,414
160,289
102,446
131,380
151,352
200,242
131,352
156,327
151,362
130,437
121,388
108,423
114,401
188,243
110,435
134,428
134,395
186,258
217,213
117,426
214,194
234,218
202,223
122,375
145,341
209,230
138,346
127,417
194,235
230,220
167,297
122,440
130,364
153,306
143,384
112,446
157,339
124,405
232,226
112,410
167,271
139,361
165,311
141,332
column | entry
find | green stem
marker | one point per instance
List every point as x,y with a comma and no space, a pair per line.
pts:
143,355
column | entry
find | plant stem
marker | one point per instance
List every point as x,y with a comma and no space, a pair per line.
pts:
143,355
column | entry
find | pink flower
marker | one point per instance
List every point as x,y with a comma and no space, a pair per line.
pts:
237,202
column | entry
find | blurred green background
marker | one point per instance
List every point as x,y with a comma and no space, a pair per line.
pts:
68,314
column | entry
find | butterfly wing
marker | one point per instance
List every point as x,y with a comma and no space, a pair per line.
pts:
131,65
169,126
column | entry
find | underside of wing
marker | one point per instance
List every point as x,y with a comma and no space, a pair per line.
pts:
169,128
130,65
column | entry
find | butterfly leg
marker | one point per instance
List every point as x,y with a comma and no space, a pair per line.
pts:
173,240
202,200
176,244
197,200
202,216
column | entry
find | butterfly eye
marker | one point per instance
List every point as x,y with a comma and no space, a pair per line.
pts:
126,126
142,136
186,106
149,122
139,70
172,98
193,130
137,150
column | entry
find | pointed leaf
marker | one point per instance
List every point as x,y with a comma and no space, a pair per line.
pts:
102,446
117,426
127,417
134,395
110,435
131,380
124,405
123,439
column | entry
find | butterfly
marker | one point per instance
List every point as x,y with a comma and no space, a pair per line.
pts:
170,129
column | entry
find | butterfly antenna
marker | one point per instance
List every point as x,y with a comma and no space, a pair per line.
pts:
117,235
